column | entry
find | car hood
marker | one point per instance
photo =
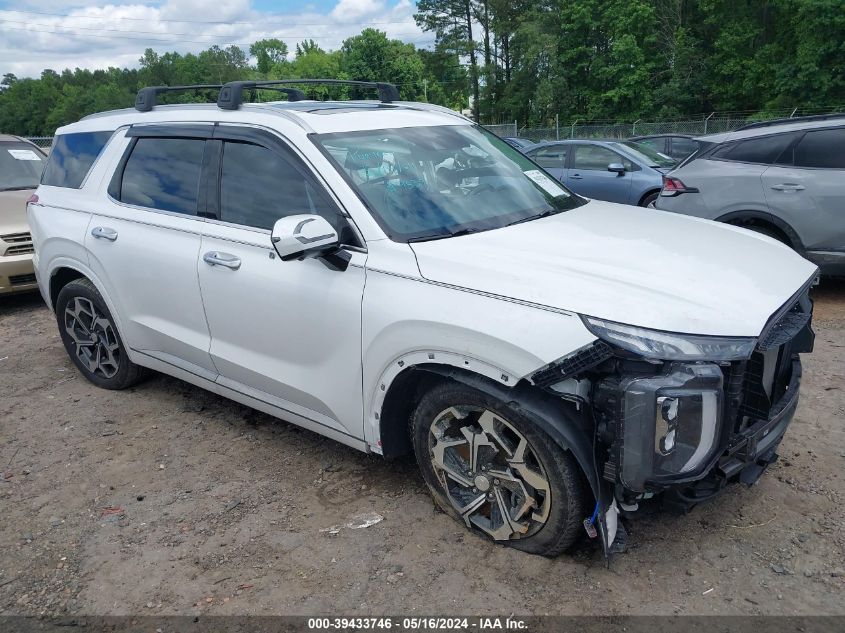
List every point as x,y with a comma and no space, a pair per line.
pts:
627,264
13,211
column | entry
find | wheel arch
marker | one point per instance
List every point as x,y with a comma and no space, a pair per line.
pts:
648,193
761,218
63,271
569,428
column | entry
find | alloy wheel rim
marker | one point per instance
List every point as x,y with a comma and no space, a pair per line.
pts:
490,472
93,336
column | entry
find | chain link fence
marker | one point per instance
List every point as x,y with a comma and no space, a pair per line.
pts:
714,123
44,142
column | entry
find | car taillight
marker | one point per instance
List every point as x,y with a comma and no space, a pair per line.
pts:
673,186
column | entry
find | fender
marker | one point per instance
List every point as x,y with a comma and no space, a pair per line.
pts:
416,359
85,271
795,240
571,429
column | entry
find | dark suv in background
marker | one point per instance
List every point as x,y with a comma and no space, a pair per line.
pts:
783,178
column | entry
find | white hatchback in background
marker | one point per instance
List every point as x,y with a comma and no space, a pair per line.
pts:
392,276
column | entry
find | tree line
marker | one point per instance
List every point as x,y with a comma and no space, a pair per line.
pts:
506,60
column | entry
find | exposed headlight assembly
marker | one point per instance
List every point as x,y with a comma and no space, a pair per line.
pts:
670,424
658,345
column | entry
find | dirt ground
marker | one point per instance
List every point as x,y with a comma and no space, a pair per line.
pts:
166,499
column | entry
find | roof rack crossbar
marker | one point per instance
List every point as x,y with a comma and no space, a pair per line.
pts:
797,119
231,95
145,100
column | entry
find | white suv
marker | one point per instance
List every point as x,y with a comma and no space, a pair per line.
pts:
396,278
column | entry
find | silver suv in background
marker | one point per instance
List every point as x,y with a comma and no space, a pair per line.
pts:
783,178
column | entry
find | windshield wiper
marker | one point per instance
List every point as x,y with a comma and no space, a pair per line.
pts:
18,188
543,214
440,236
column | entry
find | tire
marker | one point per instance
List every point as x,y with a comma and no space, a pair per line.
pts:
442,441
91,339
649,200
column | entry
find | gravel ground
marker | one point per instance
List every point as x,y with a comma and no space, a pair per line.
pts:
166,499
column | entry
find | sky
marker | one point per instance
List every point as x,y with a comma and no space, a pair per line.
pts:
59,34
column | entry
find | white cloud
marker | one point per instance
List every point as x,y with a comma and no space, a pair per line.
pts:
99,36
356,9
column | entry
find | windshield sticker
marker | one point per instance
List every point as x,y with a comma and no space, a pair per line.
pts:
545,183
23,154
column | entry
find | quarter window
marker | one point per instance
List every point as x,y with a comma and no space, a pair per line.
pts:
164,174
72,157
258,186
821,148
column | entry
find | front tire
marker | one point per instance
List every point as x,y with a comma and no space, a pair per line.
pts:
491,468
91,339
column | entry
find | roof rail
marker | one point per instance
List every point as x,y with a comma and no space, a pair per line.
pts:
145,100
798,119
231,95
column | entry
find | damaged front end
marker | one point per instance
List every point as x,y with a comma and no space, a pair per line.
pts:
678,417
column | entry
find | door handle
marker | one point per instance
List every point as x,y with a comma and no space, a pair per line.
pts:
788,186
216,258
577,177
104,233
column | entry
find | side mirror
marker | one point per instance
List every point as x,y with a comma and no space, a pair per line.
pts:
617,168
302,236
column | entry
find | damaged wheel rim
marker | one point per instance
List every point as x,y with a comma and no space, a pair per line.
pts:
93,337
490,472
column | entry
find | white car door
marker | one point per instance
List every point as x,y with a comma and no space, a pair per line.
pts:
144,240
285,332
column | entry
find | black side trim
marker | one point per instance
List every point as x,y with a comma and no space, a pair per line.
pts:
172,131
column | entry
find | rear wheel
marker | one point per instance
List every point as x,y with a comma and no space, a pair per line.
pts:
91,338
489,467
650,201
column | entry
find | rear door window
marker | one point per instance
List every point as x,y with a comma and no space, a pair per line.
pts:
821,148
764,150
72,157
164,174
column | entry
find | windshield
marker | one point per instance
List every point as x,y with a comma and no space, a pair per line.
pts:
20,166
647,155
424,183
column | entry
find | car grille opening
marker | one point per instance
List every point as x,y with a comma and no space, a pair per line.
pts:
20,280
19,243
769,370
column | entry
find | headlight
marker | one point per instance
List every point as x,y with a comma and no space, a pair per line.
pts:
669,423
669,345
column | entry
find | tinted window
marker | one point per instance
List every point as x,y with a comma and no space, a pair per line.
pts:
72,157
595,157
163,173
683,147
20,166
821,148
657,144
764,150
258,186
553,156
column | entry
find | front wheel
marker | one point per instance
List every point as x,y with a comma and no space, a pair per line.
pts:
489,467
